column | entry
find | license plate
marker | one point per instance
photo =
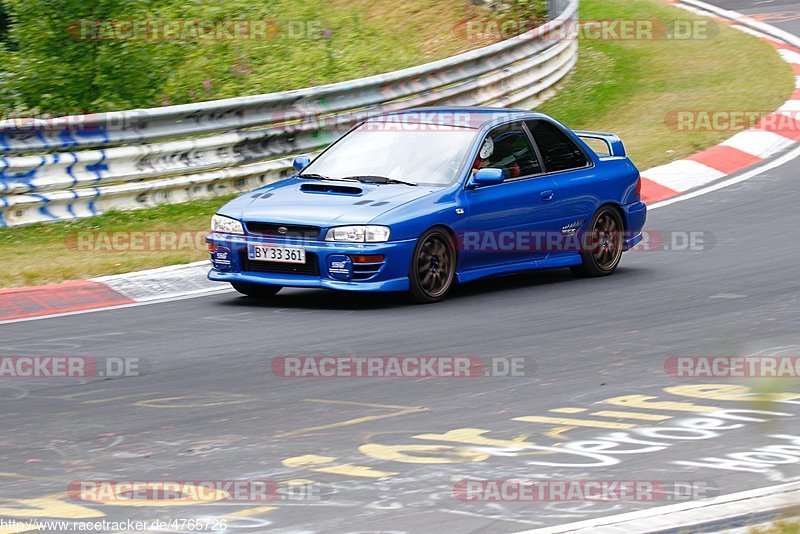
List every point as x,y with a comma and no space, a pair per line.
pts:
277,254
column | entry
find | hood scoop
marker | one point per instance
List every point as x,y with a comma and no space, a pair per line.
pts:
331,189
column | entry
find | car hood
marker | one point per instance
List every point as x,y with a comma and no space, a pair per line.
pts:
321,202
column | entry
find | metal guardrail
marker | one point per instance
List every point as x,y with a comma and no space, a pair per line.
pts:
81,166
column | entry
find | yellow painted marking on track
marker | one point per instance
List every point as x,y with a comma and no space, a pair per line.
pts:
47,507
15,475
296,482
191,494
112,399
73,396
568,410
324,464
77,396
729,392
413,454
474,436
225,399
572,422
308,460
646,403
398,411
633,415
253,512
367,404
556,433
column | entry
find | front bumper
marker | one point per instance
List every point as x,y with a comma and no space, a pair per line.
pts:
230,263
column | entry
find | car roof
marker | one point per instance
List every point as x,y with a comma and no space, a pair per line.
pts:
455,116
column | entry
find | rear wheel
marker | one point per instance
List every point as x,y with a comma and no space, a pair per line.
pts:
602,248
256,290
433,267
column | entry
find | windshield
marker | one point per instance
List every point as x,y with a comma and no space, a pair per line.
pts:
420,156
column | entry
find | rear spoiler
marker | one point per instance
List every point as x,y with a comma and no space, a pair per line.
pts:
615,146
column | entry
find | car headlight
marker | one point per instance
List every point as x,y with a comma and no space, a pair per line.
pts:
226,225
359,234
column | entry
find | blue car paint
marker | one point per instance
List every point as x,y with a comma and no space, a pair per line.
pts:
410,211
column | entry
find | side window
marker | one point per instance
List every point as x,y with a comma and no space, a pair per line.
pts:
558,151
508,148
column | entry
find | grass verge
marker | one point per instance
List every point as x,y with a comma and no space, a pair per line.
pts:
630,86
626,87
57,56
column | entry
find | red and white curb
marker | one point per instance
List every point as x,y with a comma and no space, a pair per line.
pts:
107,292
680,180
775,132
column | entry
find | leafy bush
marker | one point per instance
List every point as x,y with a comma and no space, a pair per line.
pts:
51,66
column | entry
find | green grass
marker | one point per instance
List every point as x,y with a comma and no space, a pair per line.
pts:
626,87
306,43
48,253
780,527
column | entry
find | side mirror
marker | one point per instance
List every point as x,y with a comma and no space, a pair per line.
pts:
301,162
488,177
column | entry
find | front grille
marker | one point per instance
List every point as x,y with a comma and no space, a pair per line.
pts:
309,268
292,230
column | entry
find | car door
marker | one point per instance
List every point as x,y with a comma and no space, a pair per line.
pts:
576,178
504,219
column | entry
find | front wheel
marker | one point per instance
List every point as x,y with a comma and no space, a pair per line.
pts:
433,267
602,249
256,290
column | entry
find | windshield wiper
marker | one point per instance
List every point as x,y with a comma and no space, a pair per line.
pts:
381,180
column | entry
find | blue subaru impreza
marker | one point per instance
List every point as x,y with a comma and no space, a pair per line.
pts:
423,199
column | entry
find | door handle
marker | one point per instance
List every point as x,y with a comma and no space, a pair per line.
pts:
547,195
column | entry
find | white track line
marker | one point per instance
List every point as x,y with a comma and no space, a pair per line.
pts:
684,515
193,295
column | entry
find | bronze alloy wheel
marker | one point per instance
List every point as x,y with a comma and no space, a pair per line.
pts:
433,267
603,245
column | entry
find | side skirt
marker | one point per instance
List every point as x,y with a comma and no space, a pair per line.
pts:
557,262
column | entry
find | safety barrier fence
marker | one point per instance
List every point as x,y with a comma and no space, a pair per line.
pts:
80,166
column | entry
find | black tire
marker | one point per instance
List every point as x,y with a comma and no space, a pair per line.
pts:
433,267
604,239
256,291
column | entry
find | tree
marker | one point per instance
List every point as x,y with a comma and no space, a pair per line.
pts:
56,64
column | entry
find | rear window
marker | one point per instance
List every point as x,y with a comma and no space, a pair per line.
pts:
559,152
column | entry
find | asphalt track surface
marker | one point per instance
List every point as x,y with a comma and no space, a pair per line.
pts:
209,406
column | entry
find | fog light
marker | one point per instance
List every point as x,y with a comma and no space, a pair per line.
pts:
366,259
